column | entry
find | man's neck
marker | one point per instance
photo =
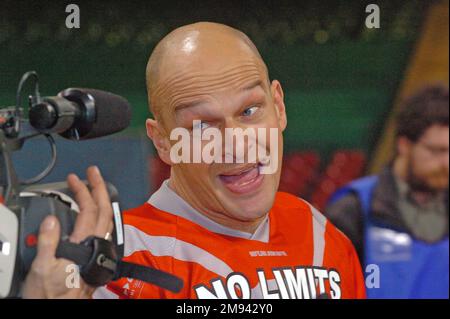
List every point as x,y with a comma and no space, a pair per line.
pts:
218,217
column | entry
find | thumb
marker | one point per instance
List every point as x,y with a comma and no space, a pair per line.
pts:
48,239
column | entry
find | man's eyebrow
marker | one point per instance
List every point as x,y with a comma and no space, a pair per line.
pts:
186,105
252,85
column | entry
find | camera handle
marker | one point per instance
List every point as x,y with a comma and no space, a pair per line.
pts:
99,264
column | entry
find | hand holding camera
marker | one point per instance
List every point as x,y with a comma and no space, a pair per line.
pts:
48,274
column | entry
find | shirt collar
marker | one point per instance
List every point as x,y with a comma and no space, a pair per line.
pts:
167,200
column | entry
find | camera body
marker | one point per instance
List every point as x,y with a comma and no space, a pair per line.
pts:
19,229
75,114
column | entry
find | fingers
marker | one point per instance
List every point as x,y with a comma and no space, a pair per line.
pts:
87,218
41,268
101,198
48,240
96,214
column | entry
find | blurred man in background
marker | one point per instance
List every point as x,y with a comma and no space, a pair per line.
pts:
398,219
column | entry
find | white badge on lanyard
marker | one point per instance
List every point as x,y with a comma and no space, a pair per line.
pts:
389,245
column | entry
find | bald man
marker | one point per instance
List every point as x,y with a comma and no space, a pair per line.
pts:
221,225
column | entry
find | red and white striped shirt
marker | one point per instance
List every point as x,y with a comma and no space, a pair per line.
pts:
294,253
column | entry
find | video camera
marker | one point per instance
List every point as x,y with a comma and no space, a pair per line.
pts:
75,114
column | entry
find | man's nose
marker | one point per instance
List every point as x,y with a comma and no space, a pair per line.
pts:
238,140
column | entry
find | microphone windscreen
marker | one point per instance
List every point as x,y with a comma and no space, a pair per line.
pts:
104,112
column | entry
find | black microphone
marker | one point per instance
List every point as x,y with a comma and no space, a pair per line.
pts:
81,114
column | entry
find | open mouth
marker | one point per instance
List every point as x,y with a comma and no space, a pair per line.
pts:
243,180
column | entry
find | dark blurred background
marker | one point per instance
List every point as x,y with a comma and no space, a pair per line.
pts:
342,80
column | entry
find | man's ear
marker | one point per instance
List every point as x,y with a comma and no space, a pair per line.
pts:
404,146
156,133
278,99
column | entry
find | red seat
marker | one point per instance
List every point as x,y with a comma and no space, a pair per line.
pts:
298,172
344,166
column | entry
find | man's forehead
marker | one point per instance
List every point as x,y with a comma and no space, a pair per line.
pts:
201,60
206,60
208,76
437,133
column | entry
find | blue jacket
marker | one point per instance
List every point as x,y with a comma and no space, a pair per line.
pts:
407,267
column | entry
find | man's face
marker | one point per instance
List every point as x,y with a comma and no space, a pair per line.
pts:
429,160
224,88
236,190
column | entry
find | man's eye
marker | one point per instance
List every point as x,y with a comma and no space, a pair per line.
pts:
250,111
200,125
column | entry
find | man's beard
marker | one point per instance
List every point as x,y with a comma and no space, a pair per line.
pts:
433,182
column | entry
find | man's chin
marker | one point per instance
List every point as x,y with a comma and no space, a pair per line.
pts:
252,204
249,213
431,186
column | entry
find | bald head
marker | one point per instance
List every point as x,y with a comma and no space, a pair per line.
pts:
195,54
